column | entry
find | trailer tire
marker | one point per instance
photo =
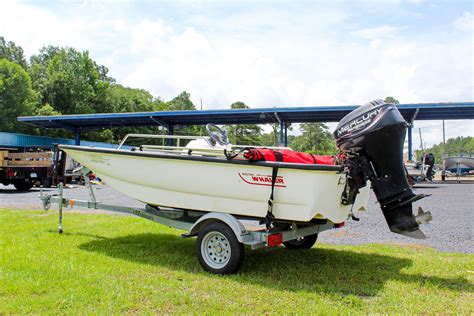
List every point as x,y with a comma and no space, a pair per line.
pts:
23,186
218,250
305,242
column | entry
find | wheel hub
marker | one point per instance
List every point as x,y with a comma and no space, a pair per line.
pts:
216,250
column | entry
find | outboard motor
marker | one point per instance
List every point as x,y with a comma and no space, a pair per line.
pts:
372,136
430,161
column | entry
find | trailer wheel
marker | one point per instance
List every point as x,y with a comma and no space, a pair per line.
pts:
23,186
305,242
218,249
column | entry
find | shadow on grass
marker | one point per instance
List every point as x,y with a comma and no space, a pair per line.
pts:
77,234
314,270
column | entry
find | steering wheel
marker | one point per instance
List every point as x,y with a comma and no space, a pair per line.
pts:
217,135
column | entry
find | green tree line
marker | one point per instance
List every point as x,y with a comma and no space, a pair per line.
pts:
453,147
63,80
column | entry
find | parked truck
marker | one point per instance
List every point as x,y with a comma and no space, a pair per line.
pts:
26,160
26,167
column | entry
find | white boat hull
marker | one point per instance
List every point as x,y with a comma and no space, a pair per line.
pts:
239,189
416,171
459,163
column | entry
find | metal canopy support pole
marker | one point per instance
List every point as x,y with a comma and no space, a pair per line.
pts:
410,139
282,140
410,142
170,133
286,135
77,137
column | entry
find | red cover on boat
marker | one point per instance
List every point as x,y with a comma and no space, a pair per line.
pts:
284,155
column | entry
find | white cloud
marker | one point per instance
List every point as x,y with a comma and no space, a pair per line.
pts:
323,71
15,25
465,22
262,56
377,32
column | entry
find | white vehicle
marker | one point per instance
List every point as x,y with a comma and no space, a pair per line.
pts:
210,189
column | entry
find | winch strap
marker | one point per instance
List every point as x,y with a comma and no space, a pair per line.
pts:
278,155
269,217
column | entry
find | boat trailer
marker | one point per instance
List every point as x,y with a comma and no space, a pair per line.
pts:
221,236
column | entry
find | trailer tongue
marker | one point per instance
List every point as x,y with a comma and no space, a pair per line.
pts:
373,137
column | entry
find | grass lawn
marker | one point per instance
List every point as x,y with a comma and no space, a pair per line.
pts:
120,264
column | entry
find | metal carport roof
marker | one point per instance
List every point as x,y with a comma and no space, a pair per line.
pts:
87,122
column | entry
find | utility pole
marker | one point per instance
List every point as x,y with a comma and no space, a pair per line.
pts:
421,140
444,134
200,129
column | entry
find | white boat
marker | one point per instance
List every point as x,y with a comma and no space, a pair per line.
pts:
201,176
422,170
214,184
416,170
459,164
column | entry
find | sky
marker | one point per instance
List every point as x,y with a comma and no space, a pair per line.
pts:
268,53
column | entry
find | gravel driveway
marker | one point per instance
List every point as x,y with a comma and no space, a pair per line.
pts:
451,204
452,208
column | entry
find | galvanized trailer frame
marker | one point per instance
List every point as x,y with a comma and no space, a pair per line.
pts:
247,231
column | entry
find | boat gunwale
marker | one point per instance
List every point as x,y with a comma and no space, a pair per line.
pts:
285,165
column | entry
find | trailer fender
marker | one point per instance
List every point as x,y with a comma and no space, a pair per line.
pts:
239,230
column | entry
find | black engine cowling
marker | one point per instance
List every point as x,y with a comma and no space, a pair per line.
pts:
373,136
